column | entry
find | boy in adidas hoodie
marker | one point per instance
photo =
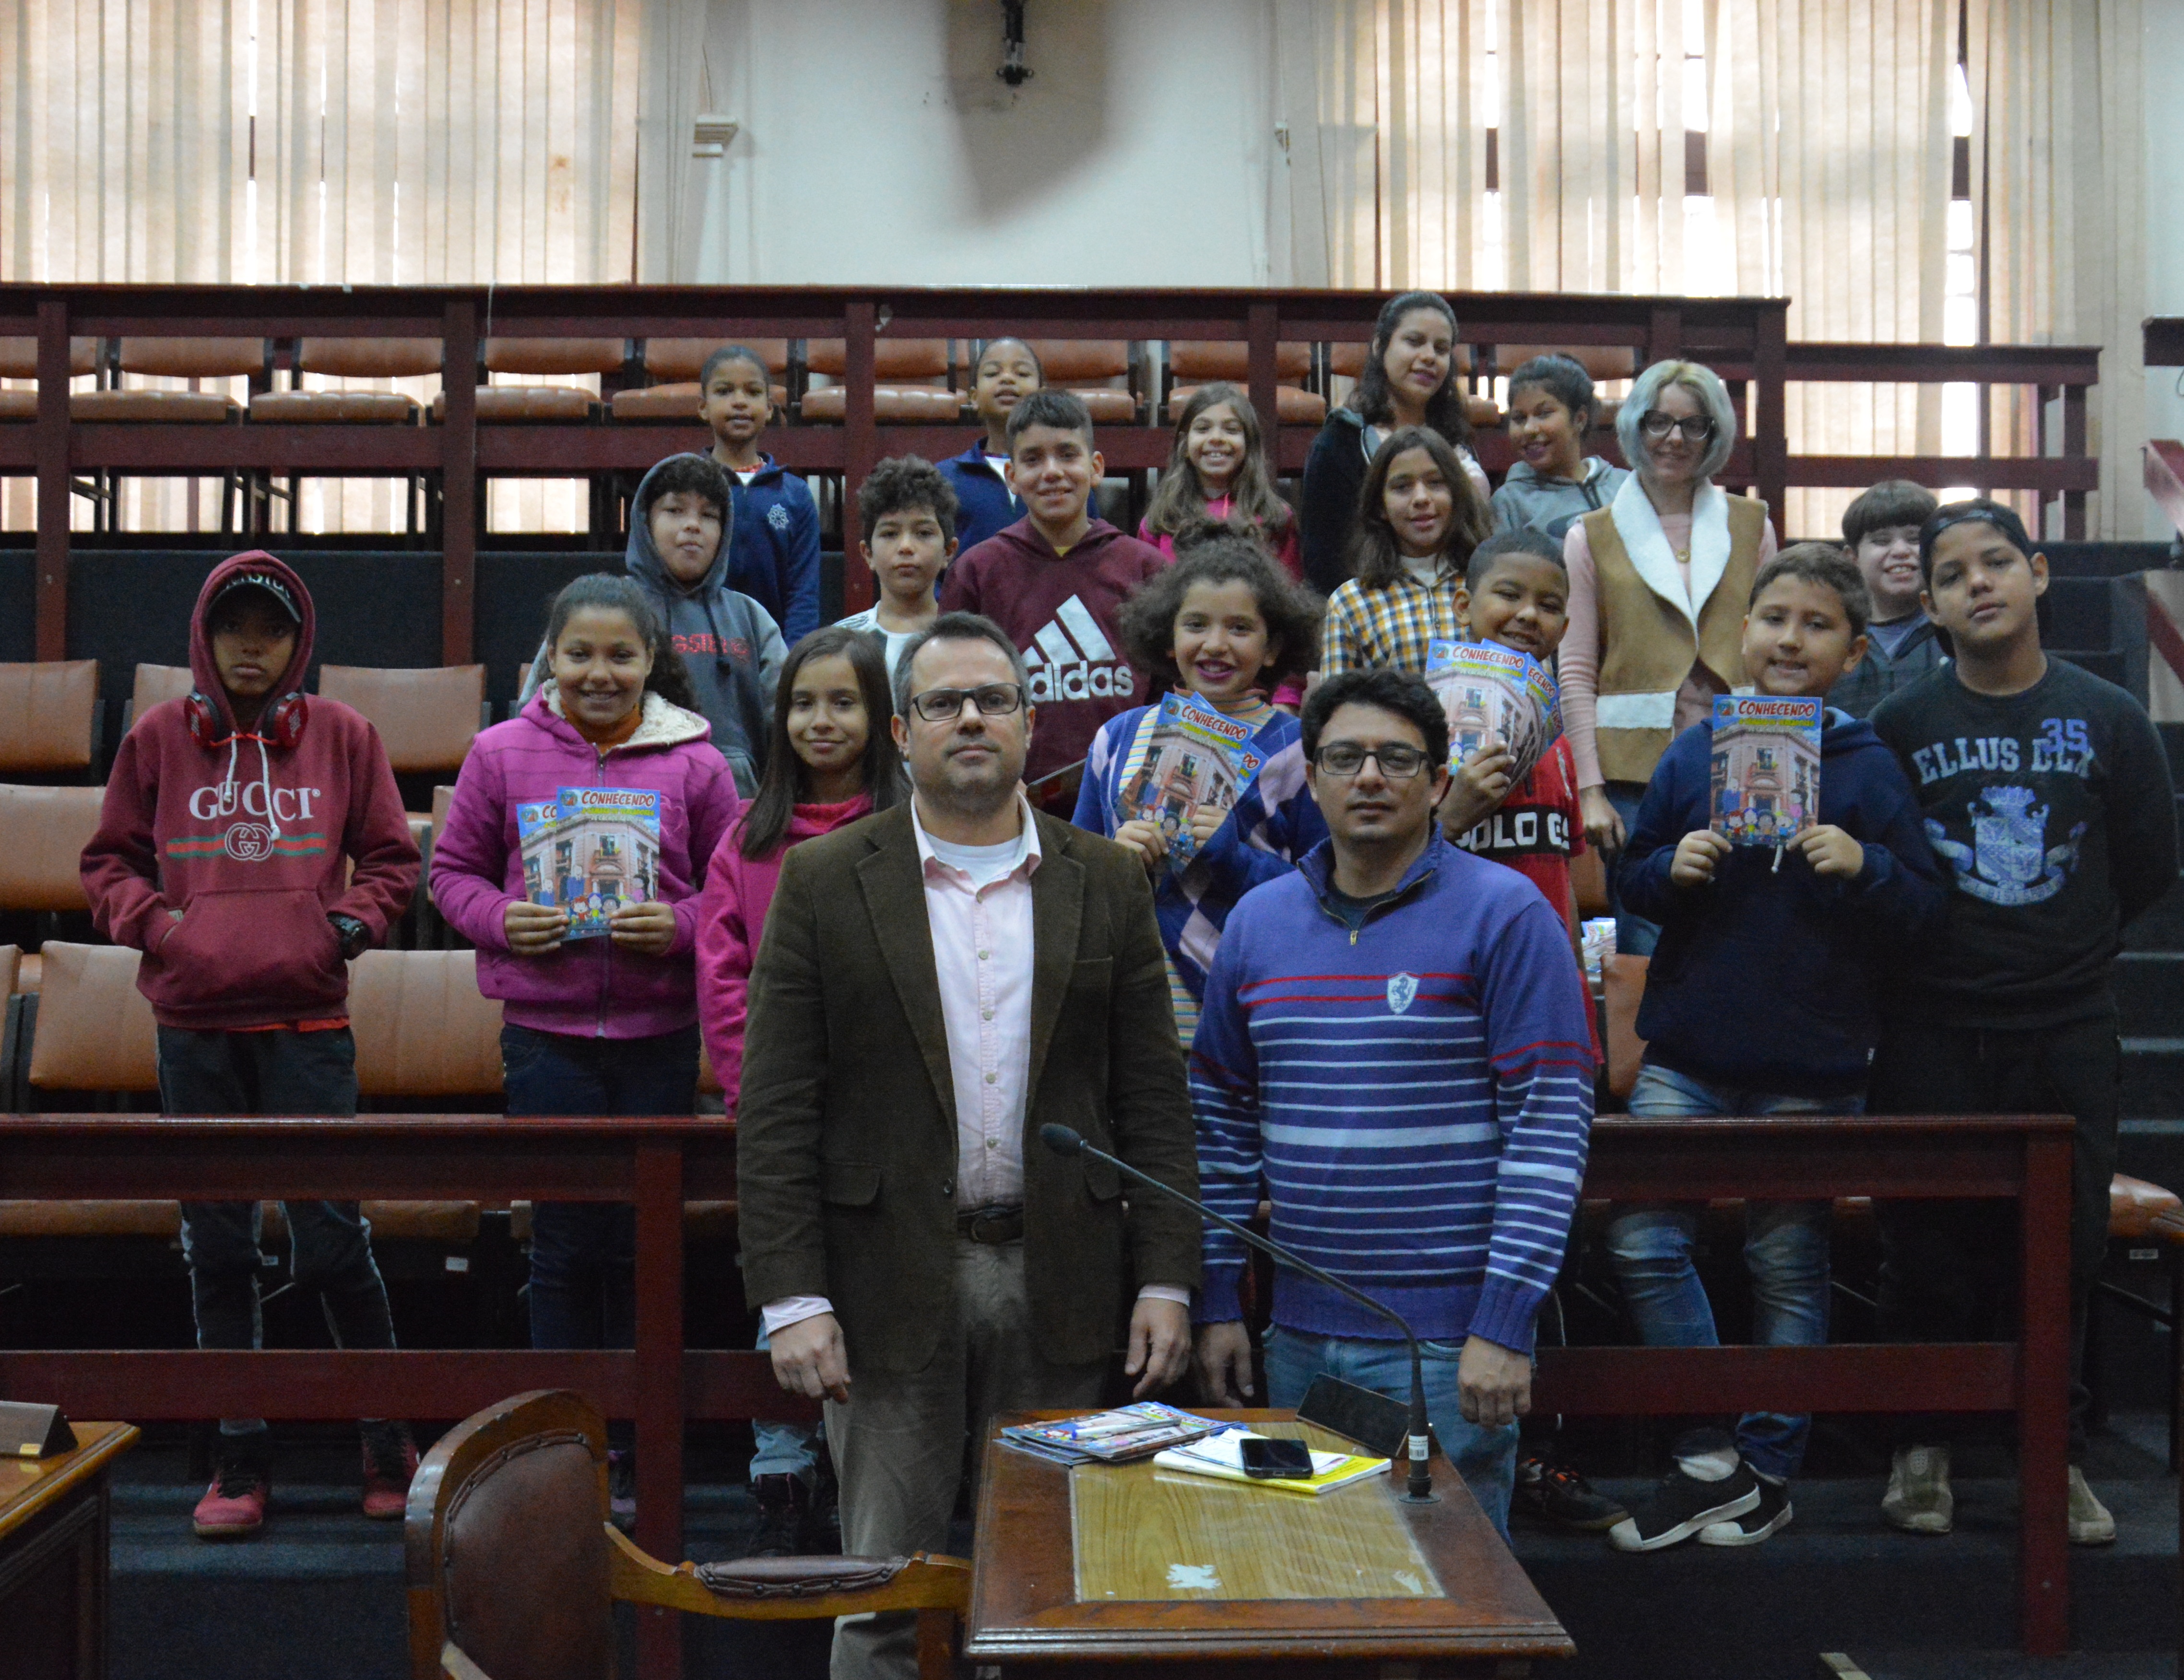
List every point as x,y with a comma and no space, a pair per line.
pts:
222,854
1053,581
1761,999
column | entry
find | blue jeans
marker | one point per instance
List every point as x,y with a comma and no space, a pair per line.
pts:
1786,1250
1634,936
784,1448
583,1254
1486,1458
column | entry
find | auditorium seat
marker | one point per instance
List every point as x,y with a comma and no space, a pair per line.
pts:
426,717
505,404
43,833
19,360
422,1027
1605,362
153,685
514,1570
1096,371
676,364
94,1030
351,359
175,358
2145,1222
910,382
48,715
1347,361
1192,362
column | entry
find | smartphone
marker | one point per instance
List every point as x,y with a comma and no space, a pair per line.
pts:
1282,1460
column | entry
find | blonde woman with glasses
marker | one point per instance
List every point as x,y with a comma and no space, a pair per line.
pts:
1658,583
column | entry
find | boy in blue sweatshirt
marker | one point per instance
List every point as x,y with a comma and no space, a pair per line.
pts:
1393,1042
1760,1000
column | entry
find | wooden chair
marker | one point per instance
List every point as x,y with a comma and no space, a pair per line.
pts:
514,1569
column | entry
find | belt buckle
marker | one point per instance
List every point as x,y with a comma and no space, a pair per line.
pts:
987,1224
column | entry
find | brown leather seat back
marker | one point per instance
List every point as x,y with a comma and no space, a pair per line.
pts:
43,833
1589,879
11,966
95,1029
1072,361
422,1027
46,713
1347,359
893,359
1624,981
1600,361
18,357
678,360
523,1562
1196,360
427,718
155,685
192,358
369,358
553,355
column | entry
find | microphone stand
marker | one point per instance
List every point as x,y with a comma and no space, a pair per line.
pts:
1418,1489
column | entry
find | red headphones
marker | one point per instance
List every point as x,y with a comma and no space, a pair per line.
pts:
281,724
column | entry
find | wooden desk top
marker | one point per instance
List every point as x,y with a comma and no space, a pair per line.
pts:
1229,1572
29,1486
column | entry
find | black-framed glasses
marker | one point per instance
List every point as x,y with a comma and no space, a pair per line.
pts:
945,706
1696,428
1397,762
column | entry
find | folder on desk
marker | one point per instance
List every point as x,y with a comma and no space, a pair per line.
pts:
1222,1455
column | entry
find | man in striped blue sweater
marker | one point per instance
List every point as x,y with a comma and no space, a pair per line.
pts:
1394,1046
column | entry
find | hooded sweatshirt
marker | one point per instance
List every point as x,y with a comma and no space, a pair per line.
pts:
587,989
1766,979
985,506
1527,500
730,643
222,859
1059,610
731,917
773,548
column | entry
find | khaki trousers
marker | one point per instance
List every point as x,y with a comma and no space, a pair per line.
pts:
899,1444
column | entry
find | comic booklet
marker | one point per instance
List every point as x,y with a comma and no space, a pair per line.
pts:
1186,755
1766,768
1495,695
590,851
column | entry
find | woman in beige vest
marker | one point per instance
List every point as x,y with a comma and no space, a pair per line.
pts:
1659,580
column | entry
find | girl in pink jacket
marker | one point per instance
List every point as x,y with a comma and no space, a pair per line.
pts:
832,760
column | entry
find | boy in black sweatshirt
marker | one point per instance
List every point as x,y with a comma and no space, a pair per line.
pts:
1761,1000
2047,796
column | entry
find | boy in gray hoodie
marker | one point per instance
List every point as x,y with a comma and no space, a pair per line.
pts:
679,550
1553,483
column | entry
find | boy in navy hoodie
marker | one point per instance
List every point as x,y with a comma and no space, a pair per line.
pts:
1761,1000
223,853
773,551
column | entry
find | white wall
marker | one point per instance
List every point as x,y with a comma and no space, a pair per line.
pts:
878,145
2163,59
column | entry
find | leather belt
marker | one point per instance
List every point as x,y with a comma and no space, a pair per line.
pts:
991,1224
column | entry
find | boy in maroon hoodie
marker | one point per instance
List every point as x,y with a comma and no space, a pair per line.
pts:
230,819
1053,581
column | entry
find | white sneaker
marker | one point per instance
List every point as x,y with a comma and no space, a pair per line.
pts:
2091,1525
1919,1500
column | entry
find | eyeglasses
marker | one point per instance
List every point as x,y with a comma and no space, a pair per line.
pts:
945,706
1696,428
1397,763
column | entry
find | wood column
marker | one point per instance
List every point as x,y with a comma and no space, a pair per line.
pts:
51,449
458,484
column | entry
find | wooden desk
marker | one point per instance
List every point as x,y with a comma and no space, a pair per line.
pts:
1233,1579
53,1521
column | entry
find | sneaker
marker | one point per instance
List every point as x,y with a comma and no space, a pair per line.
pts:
622,1488
823,1530
1681,1506
1557,1497
2091,1525
1919,1500
1771,1513
234,1507
390,1460
784,1512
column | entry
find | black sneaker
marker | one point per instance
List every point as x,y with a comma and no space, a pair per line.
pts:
1681,1506
1555,1496
1770,1514
784,1510
822,1528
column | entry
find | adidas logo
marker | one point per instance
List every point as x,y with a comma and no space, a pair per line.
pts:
1072,659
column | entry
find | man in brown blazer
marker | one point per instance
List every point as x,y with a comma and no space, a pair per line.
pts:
937,983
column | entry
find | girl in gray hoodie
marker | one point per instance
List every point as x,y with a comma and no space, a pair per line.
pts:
1553,483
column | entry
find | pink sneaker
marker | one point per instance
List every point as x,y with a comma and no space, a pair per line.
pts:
390,1460
234,1507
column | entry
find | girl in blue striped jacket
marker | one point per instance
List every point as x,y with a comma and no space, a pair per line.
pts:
1225,625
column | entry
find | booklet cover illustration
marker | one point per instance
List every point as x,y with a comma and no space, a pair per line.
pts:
1186,756
1495,695
590,851
1766,768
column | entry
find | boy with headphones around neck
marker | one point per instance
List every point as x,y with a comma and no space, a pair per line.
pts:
221,854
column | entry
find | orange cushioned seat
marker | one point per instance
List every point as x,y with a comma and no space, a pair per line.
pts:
1096,371
676,364
18,357
160,1220
898,405
422,1027
175,358
2139,1211
426,717
1600,362
19,405
95,1029
43,833
352,358
46,714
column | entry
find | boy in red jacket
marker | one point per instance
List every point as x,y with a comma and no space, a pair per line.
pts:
1053,581
221,854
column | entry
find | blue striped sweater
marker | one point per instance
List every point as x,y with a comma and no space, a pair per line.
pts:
1416,1100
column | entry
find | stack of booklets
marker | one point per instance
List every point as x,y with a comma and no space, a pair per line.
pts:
1222,1455
1765,768
1186,756
1495,697
1114,1437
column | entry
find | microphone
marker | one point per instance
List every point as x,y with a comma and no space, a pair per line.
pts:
1419,1490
